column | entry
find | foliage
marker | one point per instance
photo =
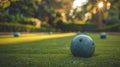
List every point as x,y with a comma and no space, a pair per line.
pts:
79,27
12,27
15,26
109,28
112,21
107,15
45,27
113,17
62,5
44,10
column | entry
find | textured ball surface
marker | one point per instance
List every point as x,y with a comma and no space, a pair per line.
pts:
103,35
82,46
16,34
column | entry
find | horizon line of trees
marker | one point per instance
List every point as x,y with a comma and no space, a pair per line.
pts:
54,12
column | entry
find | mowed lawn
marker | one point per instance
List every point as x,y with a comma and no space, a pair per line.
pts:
33,51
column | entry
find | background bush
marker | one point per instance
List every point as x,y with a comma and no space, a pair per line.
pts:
79,27
109,28
12,27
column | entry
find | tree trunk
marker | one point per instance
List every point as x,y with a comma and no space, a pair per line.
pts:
99,19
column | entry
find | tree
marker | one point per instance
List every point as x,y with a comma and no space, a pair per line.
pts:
63,8
45,10
114,14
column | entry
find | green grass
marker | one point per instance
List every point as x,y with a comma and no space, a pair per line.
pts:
56,53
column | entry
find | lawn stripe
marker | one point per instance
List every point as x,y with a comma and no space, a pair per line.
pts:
32,38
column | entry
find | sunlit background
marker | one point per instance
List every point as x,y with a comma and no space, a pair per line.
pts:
78,3
49,15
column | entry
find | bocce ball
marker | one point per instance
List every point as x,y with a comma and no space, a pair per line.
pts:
16,34
103,35
82,46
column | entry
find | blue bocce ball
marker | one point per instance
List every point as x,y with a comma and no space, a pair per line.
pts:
82,46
